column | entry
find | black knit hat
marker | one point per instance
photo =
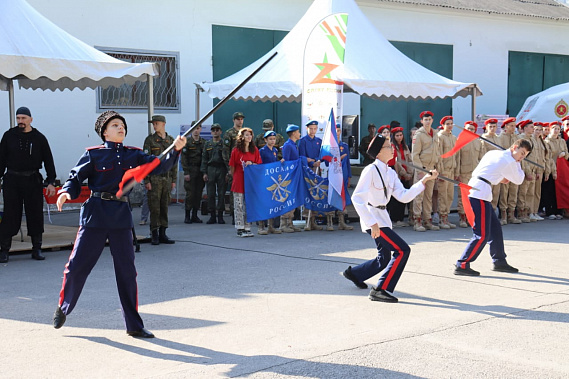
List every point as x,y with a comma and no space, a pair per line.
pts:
375,145
103,120
24,111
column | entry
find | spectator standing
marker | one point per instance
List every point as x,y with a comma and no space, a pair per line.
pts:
290,153
193,177
490,127
229,140
364,144
159,186
347,174
558,149
525,198
404,172
449,168
508,191
309,147
214,174
23,151
269,154
540,155
268,126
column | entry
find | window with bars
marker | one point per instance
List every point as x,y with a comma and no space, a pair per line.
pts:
133,97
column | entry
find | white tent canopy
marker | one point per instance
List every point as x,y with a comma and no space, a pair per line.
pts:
40,55
373,67
546,106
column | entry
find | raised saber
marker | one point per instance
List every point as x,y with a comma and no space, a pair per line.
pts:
501,148
439,177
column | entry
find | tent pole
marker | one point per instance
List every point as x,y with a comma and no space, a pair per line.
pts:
197,110
11,103
150,81
473,107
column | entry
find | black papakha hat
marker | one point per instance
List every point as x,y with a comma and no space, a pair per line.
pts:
103,120
24,110
375,145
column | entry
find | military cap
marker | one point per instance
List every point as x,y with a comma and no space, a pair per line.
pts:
382,127
490,121
522,124
103,120
268,124
238,114
375,145
552,124
471,123
508,120
312,122
158,117
269,133
396,130
426,114
444,119
292,128
215,126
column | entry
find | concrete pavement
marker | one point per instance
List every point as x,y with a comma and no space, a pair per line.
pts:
277,306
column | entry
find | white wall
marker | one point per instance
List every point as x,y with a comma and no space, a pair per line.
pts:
481,43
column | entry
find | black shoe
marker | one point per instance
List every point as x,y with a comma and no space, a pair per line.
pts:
465,271
142,333
188,218
163,238
58,318
195,217
212,219
37,255
4,257
155,237
232,219
504,267
381,295
220,219
348,275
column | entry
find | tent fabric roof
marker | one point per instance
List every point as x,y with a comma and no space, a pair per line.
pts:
549,9
543,105
40,55
373,67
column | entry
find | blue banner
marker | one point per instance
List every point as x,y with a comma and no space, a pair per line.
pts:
272,189
316,190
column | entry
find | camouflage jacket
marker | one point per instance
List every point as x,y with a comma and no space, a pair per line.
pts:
155,145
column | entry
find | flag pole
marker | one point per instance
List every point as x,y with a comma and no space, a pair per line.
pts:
439,177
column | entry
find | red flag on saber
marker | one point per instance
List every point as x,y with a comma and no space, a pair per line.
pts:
138,174
463,139
465,191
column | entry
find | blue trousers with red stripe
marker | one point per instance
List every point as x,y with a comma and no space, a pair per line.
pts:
487,229
88,247
392,266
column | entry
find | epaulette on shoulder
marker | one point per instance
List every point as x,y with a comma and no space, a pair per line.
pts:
94,147
132,147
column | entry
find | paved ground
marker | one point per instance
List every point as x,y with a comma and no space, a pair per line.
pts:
276,306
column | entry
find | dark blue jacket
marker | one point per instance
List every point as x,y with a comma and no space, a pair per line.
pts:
290,151
268,155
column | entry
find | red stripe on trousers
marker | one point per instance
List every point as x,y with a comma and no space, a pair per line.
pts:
482,232
61,293
395,264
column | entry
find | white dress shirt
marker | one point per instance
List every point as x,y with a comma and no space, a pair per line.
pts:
370,193
494,167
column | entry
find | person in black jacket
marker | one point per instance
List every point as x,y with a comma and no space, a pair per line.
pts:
23,150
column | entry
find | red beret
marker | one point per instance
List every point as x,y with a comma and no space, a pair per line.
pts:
565,118
537,123
444,119
491,121
397,129
440,127
382,127
508,120
471,123
522,124
552,124
426,114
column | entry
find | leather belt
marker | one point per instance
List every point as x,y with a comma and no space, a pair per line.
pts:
378,206
22,173
484,180
109,196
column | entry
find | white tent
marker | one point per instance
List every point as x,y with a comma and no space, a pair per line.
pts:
547,106
373,67
40,55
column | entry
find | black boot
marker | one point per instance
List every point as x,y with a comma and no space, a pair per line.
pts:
188,219
36,248
4,257
155,237
212,218
164,238
220,219
195,217
5,246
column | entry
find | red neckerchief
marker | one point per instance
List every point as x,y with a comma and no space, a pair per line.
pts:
399,149
431,133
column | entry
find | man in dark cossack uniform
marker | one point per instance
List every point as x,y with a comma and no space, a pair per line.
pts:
159,186
104,216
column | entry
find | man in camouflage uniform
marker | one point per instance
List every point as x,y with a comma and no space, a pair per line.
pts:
159,187
364,144
214,171
193,178
229,140
268,125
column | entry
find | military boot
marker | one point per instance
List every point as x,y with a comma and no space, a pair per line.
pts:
329,222
462,223
212,218
418,227
315,225
195,217
447,222
163,238
291,225
284,225
504,217
155,237
220,219
428,224
36,248
261,230
443,223
272,229
512,217
525,215
342,222
188,218
5,245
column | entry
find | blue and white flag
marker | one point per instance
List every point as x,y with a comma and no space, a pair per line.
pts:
316,190
272,189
